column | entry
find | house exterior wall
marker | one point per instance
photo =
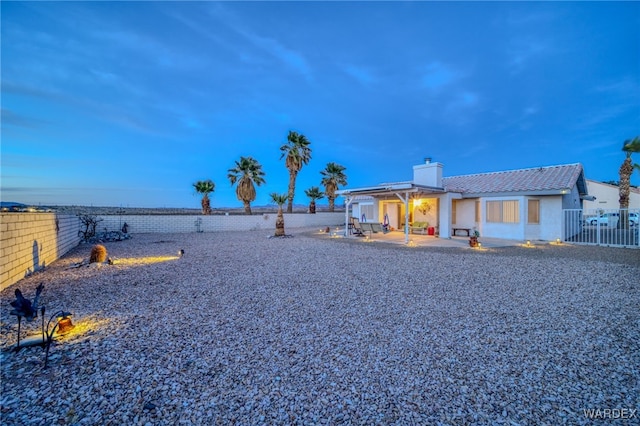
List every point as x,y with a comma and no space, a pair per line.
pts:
465,213
549,228
572,199
607,196
511,231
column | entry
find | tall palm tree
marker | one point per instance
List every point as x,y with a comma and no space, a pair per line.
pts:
629,147
279,199
205,187
314,194
332,177
248,173
297,153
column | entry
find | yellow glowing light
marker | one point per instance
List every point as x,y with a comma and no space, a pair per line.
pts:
85,326
144,260
412,243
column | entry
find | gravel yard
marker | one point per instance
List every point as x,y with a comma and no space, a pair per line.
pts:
311,330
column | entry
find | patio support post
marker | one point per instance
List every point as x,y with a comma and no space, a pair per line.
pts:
405,200
347,202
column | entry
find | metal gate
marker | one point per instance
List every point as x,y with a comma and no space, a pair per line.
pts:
603,227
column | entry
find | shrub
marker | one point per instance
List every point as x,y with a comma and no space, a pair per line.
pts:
98,254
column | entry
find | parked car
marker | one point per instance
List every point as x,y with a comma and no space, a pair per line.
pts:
612,219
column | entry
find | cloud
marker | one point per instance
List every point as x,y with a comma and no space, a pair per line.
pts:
522,51
9,117
362,75
291,58
99,110
437,75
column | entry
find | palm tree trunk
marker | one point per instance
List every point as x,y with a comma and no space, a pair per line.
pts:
206,205
280,223
331,201
312,207
247,207
626,169
292,190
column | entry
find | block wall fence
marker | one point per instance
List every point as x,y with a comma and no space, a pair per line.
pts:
30,241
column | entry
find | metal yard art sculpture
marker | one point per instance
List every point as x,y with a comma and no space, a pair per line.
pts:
25,308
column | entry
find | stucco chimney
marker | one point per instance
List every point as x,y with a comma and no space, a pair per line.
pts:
428,174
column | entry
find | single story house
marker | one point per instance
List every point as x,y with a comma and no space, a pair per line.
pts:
524,204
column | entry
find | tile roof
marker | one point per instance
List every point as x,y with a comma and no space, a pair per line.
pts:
537,179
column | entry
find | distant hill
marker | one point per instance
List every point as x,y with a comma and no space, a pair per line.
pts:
177,211
10,204
106,210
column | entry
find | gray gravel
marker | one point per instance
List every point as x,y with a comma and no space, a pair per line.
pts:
312,330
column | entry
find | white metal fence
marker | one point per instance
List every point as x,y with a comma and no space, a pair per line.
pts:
604,227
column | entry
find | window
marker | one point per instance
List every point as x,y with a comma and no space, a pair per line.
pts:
454,213
503,211
533,211
477,211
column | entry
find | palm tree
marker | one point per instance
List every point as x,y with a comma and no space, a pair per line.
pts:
279,199
314,194
297,153
248,173
205,187
629,147
332,177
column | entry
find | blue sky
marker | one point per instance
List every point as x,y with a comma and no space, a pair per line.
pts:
129,103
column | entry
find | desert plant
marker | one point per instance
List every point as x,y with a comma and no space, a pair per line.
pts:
314,194
248,173
205,187
279,199
89,221
98,254
297,153
332,177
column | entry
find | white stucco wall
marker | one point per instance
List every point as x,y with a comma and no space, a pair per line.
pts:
511,231
607,196
465,214
550,226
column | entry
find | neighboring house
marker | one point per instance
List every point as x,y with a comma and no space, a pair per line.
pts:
607,196
524,204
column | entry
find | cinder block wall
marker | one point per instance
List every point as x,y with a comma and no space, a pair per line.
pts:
30,241
192,223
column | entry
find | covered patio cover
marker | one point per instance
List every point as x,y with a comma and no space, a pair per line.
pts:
402,190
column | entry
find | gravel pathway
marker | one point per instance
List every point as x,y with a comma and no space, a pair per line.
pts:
251,330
